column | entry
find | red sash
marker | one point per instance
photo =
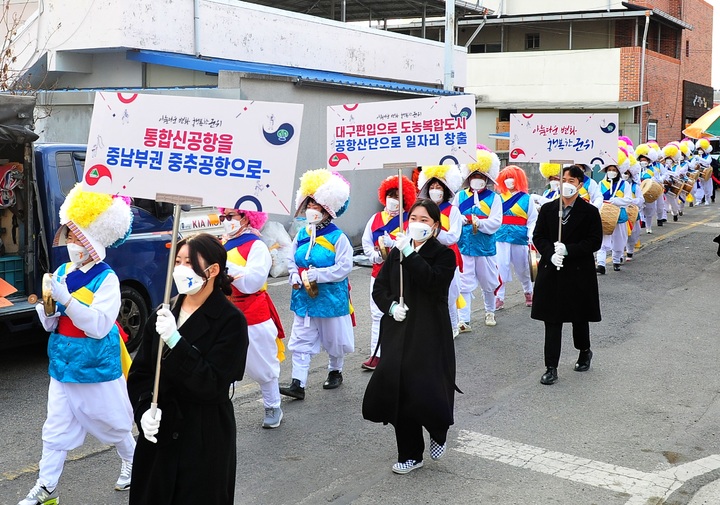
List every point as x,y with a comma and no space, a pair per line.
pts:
67,328
518,220
257,308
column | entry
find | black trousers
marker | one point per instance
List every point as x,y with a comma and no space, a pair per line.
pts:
553,340
410,441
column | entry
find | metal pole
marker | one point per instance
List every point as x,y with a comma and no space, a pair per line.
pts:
642,72
401,301
448,81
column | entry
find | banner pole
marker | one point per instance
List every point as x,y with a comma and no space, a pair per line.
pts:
401,301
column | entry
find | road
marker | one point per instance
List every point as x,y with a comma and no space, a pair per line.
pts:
641,427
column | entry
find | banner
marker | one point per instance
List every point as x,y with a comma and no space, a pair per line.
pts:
229,153
425,131
578,138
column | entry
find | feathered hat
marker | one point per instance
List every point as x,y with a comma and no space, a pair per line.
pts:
633,167
646,151
626,143
672,150
329,190
550,169
512,172
622,163
705,145
409,191
487,163
687,147
448,175
98,220
256,218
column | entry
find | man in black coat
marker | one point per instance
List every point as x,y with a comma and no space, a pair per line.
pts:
566,289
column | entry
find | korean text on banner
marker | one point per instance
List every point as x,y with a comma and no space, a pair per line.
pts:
426,131
583,138
230,153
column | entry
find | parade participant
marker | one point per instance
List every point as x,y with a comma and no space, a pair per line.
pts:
515,233
632,181
322,260
704,160
660,168
649,170
87,392
672,175
590,190
186,452
482,211
413,386
249,263
687,165
439,183
615,192
551,173
566,269
379,234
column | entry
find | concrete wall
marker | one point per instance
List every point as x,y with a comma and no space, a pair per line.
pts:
535,7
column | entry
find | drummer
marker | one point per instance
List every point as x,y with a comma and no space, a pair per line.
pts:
615,192
590,190
650,171
687,163
673,175
659,167
380,234
704,160
632,180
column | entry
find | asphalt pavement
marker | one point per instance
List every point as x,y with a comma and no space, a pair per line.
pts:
641,427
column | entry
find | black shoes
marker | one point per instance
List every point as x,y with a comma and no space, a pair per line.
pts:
294,390
550,376
600,269
583,362
616,267
675,217
334,379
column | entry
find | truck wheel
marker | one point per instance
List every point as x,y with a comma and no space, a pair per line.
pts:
132,316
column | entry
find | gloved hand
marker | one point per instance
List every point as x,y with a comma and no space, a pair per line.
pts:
398,312
402,242
388,242
295,280
312,275
557,260
561,249
150,426
375,257
60,292
614,200
166,327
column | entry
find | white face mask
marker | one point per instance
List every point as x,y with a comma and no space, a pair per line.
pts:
436,195
186,280
668,163
313,216
231,226
392,204
625,176
478,184
554,185
644,164
510,183
569,190
78,254
611,175
701,152
419,232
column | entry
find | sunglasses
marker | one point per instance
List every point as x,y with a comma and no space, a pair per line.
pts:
229,216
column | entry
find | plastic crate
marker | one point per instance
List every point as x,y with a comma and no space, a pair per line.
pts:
11,269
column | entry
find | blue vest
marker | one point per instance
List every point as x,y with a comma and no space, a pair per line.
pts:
333,299
516,208
476,244
85,359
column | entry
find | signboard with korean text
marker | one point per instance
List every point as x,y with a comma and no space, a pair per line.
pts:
591,139
228,153
426,131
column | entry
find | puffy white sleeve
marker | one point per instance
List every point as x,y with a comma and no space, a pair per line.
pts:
98,318
254,274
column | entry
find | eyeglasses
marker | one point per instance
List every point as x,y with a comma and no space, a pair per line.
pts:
229,216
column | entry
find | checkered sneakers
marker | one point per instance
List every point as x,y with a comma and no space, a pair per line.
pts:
437,450
406,467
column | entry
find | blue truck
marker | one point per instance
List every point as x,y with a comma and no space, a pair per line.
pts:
34,180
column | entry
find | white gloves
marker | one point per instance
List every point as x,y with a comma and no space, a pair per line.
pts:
614,200
561,249
402,242
166,327
375,257
312,275
398,312
557,260
150,425
295,280
60,292
388,242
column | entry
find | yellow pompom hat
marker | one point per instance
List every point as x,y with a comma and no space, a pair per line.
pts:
329,190
550,169
705,145
448,175
487,163
98,220
647,151
672,150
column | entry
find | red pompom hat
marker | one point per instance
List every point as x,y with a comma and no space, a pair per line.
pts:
409,190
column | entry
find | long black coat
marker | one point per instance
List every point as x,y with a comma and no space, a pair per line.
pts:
571,293
194,460
416,374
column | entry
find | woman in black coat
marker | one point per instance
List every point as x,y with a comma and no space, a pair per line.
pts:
566,288
414,384
186,452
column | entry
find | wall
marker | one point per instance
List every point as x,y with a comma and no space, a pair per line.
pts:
533,7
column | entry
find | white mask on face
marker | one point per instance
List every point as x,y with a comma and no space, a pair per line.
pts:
392,204
611,175
231,226
436,195
668,163
568,190
478,184
555,185
419,232
510,183
78,254
625,176
186,280
313,216
644,164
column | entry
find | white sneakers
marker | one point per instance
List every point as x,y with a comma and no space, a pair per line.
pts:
490,319
123,482
39,495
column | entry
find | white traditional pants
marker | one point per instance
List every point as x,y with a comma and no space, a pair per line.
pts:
482,271
650,212
262,364
671,204
615,243
662,207
74,410
633,237
516,255
311,334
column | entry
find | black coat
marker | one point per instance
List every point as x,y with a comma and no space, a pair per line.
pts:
571,293
194,460
416,374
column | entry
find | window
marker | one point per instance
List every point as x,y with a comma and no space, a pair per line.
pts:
67,174
651,130
484,48
532,41
687,48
